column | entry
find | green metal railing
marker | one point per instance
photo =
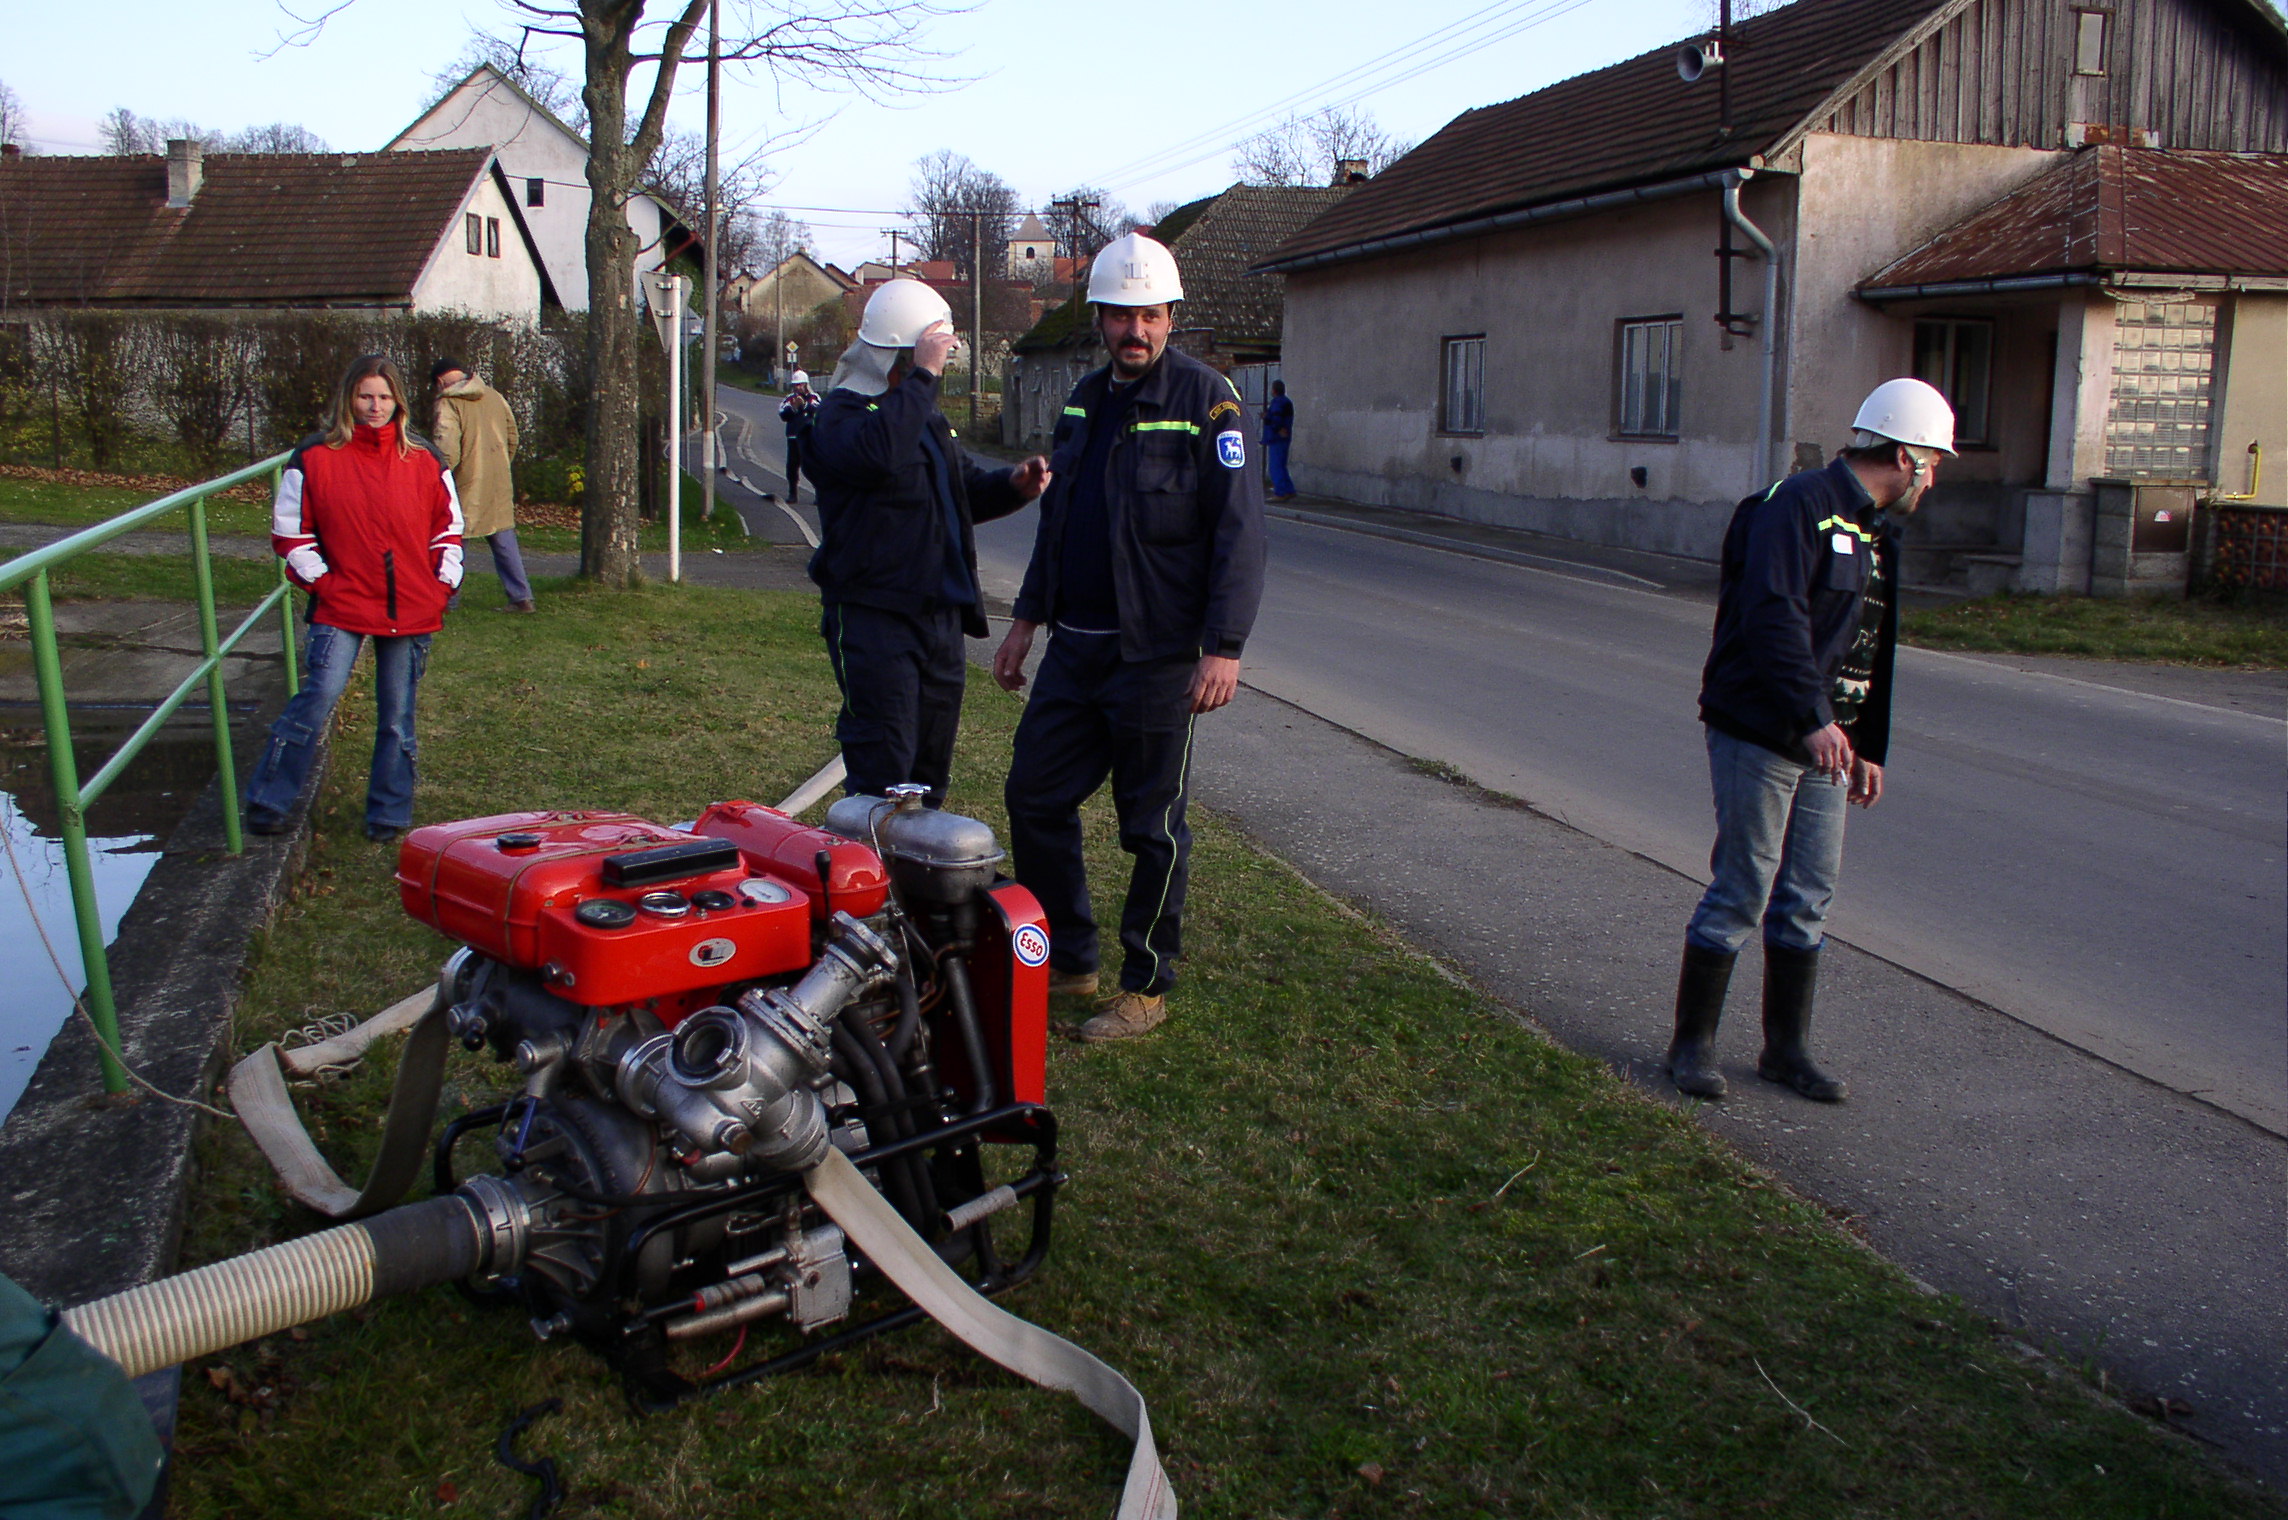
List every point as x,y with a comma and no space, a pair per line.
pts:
73,798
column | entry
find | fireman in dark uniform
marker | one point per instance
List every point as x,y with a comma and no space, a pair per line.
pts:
896,566
1147,569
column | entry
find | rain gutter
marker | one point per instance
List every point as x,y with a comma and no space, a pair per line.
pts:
1769,323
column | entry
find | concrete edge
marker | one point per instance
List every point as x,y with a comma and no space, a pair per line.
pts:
96,1188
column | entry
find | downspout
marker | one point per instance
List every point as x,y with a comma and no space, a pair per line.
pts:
1766,471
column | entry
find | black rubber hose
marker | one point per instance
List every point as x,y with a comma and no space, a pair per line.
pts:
861,1070
909,1015
972,1038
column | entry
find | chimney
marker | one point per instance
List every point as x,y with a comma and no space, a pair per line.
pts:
1349,171
186,169
10,150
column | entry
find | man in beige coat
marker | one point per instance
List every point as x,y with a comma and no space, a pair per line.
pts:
476,432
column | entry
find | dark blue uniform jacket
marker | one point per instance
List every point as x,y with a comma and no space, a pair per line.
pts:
882,539
1796,565
1186,503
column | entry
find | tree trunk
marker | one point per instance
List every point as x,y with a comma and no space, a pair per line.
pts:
608,522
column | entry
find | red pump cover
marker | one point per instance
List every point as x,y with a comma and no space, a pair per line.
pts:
777,845
508,886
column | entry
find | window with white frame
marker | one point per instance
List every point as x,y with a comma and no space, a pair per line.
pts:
1650,373
1462,399
1956,354
473,230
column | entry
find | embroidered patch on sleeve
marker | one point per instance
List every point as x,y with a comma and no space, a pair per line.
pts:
1223,408
1231,449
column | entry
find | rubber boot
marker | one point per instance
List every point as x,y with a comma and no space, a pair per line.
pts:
1791,978
1699,1005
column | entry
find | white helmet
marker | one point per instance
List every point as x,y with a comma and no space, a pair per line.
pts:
799,377
901,311
1135,271
1910,412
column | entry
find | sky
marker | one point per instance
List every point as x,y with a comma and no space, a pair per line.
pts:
1144,100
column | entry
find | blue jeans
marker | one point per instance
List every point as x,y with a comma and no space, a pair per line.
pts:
1275,463
327,656
509,562
1779,849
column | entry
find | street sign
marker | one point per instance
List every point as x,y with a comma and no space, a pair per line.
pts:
793,354
665,294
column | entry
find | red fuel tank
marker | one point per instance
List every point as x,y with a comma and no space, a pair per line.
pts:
610,908
778,845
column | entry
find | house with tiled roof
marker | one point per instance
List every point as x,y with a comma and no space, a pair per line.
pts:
1230,315
546,163
413,232
1611,308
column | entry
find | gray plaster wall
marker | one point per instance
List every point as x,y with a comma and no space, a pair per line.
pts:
1362,357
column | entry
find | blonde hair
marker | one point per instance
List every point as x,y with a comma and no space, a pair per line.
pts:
343,423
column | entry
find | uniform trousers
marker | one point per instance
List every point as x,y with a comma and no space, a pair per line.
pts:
794,469
901,677
1094,715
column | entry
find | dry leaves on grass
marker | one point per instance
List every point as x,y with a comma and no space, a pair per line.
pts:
257,491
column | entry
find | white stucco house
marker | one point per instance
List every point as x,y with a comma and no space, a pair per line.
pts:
411,232
545,164
1612,308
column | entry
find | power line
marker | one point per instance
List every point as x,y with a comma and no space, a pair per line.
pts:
1477,32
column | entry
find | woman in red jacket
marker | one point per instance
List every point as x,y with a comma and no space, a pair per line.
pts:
368,523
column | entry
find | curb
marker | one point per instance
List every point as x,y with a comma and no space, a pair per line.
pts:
1460,546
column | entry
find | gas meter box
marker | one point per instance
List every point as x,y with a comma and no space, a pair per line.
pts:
608,908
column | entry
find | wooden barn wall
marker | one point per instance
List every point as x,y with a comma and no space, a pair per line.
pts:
2001,72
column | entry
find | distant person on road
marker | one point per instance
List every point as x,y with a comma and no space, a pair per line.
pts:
476,434
369,524
1796,698
799,412
1278,433
1148,568
896,565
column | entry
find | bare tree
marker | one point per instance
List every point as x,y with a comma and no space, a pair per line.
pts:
947,192
13,123
677,173
867,45
1303,150
552,87
125,132
779,237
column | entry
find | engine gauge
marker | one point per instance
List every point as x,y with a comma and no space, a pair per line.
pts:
761,891
713,899
605,913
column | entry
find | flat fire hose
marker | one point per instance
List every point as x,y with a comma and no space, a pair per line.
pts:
259,1097
991,1331
258,1092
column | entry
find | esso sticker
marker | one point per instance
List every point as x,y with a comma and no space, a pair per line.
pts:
1031,945
713,952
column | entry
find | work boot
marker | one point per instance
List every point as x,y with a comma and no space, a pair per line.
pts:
1072,983
1791,977
523,606
1124,1016
1700,991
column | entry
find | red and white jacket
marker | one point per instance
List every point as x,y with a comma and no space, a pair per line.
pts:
373,534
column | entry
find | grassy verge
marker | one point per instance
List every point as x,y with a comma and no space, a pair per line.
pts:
2251,634
1369,1245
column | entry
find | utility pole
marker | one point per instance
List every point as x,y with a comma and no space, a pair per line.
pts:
714,237
976,313
893,232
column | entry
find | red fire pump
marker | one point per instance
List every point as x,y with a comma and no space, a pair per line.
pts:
697,1015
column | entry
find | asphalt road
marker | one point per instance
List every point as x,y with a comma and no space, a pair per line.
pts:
2098,1191
2105,864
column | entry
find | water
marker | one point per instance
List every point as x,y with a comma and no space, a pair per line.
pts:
127,830
38,896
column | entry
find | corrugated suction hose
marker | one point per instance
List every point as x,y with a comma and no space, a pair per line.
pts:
163,1323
